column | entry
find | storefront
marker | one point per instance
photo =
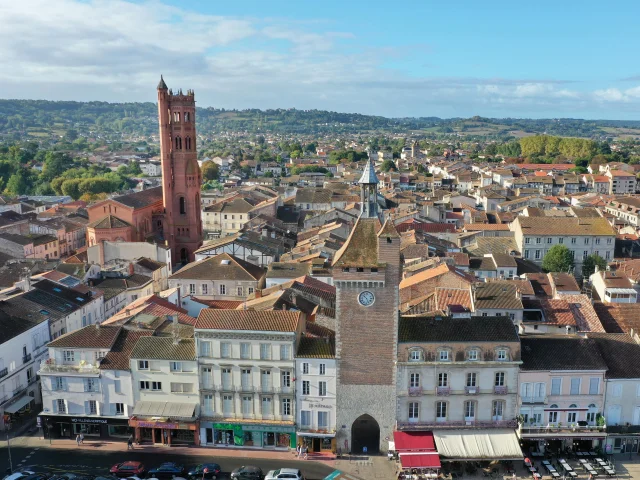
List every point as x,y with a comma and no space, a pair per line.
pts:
61,426
165,431
621,443
318,441
556,444
247,435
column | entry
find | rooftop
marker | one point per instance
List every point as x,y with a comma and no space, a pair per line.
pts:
465,330
566,352
253,320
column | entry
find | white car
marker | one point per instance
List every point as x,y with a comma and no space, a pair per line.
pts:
289,473
18,475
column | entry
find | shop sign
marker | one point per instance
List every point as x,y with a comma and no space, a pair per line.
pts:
168,426
89,420
319,405
264,428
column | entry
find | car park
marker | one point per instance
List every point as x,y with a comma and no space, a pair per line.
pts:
247,472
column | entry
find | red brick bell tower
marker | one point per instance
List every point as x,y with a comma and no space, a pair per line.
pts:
181,176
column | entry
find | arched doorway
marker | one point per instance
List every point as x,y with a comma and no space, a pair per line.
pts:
365,432
184,256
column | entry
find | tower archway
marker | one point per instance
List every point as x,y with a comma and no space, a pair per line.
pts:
365,432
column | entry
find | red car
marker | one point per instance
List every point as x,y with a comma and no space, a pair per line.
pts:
128,469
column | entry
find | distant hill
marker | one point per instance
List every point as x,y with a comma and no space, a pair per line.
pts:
39,118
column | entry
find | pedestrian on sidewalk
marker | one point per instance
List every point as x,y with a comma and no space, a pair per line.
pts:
298,448
78,439
82,438
306,451
130,443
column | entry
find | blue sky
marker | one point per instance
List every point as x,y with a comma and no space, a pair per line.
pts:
405,58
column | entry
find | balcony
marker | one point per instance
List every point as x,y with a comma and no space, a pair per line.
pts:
26,358
560,428
286,390
500,390
225,387
415,391
419,425
32,380
266,389
535,400
443,391
18,390
207,386
4,372
51,367
245,389
471,390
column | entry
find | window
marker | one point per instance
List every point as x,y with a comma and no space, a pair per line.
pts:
538,240
586,241
305,418
183,208
549,239
69,355
553,416
497,409
240,291
415,355
594,386
265,351
286,406
473,355
575,386
286,378
469,410
245,351
250,290
572,417
322,369
471,379
502,354
90,385
225,350
573,240
607,255
305,368
143,364
305,387
527,240
322,389
144,385
597,240
175,366
526,254
537,254
116,386
156,386
192,289
443,379
58,383
444,355
561,240
119,408
266,405
499,379
223,289
207,403
441,410
414,380
61,405
181,387
285,352
205,289
585,254
556,385
323,420
205,349
608,241
414,411
247,405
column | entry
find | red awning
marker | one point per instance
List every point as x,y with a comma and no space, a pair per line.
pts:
420,460
414,441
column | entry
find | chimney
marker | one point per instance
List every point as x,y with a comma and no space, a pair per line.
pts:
258,293
131,269
176,329
97,325
597,269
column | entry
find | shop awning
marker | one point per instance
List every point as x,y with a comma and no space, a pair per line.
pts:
18,404
420,460
316,434
164,409
478,444
414,441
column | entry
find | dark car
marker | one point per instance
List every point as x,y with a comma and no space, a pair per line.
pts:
247,472
167,470
128,469
208,470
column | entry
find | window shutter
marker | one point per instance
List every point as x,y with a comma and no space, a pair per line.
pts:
126,409
54,406
66,406
87,409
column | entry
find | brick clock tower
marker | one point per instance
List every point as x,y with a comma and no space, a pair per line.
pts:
366,273
181,176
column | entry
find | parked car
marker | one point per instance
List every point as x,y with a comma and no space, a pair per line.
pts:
247,472
212,471
128,469
167,470
18,475
288,473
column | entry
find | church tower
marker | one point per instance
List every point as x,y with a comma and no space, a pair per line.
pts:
181,178
366,273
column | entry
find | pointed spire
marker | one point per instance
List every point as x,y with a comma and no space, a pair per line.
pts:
369,174
161,84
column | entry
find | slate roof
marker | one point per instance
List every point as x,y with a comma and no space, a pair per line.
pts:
42,239
501,294
150,264
132,281
88,337
214,268
109,222
313,195
566,352
361,248
288,270
315,347
12,326
620,352
118,357
19,239
141,199
261,321
164,348
476,329
368,174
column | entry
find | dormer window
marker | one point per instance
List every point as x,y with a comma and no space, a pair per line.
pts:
472,355
443,355
415,355
502,355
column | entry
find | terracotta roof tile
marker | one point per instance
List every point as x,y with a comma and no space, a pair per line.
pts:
262,321
220,267
164,348
88,337
315,347
119,355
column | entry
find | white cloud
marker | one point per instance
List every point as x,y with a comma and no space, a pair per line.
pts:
610,95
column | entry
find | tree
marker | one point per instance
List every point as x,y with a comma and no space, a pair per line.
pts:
591,262
210,171
17,184
388,165
557,259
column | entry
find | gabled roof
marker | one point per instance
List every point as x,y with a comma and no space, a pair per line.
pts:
620,352
566,352
164,348
441,269
261,321
361,248
220,267
140,199
109,222
500,294
118,357
91,336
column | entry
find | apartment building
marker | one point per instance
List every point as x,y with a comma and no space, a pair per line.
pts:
22,347
626,209
583,236
247,367
613,287
562,386
315,379
227,216
621,183
458,377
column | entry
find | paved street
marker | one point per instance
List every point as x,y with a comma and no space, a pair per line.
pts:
96,457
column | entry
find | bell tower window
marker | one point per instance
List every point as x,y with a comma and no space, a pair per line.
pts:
187,117
178,143
183,206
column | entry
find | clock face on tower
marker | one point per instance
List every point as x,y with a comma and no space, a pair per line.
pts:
366,298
